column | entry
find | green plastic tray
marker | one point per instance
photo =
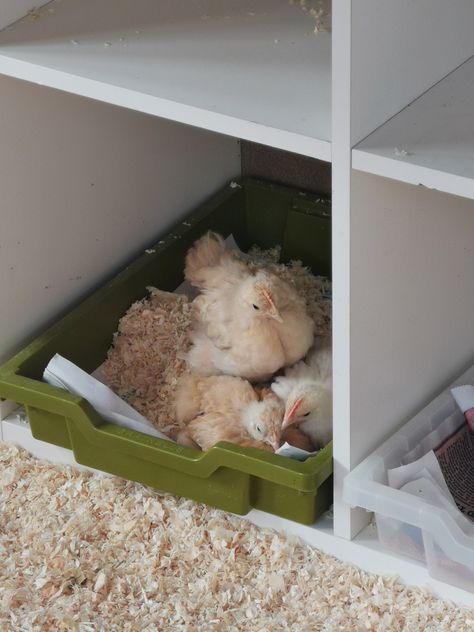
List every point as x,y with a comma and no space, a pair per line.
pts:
227,476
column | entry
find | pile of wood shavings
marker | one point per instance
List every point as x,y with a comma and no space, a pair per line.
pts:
146,358
87,553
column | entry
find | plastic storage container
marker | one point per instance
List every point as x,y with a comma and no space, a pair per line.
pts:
406,524
227,476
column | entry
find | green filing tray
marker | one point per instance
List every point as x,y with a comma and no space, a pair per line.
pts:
226,476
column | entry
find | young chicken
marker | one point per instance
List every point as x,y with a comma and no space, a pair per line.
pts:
224,408
246,324
306,390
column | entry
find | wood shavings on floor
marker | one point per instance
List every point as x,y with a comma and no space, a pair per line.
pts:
145,361
90,553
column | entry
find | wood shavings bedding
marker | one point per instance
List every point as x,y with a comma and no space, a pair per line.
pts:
146,358
90,553
145,361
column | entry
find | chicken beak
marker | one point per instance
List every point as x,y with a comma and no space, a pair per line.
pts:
290,414
274,313
275,444
277,317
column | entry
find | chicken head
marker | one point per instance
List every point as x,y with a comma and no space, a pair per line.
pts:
309,402
263,420
262,294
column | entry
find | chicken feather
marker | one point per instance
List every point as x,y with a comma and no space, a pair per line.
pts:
209,265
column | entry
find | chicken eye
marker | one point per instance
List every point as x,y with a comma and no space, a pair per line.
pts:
306,414
255,306
258,429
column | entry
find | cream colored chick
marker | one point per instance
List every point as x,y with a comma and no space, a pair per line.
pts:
306,390
224,408
246,324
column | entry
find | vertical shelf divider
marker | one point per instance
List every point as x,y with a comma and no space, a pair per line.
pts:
341,249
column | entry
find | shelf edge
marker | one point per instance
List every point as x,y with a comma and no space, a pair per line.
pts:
166,108
398,169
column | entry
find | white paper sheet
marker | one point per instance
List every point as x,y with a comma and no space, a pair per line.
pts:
294,453
64,374
464,396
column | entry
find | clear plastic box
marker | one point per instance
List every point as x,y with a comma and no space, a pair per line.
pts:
406,524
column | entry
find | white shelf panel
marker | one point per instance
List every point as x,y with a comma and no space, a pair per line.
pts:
252,69
430,142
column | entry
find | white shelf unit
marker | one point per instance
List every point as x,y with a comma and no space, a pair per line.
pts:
81,171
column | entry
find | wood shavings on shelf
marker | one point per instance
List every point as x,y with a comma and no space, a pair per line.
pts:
33,14
320,12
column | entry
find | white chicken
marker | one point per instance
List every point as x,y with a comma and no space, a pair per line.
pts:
306,389
224,408
246,324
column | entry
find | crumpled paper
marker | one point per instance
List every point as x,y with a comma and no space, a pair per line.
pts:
294,453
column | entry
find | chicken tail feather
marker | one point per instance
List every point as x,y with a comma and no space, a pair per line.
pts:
206,253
